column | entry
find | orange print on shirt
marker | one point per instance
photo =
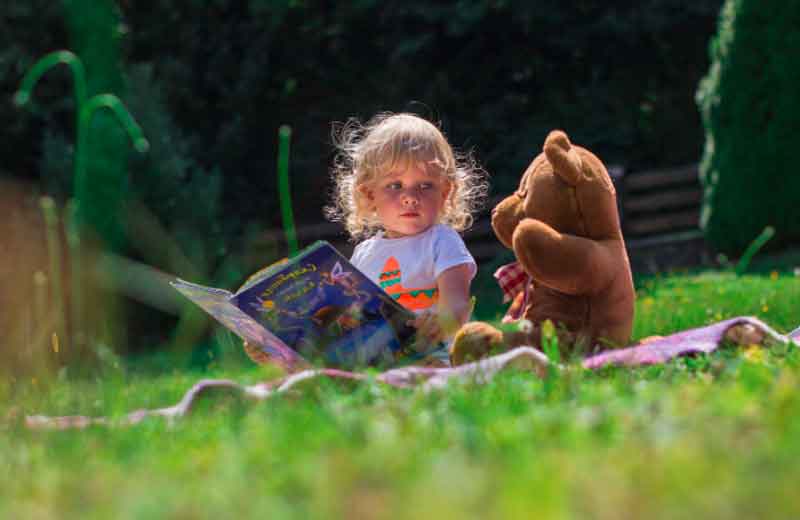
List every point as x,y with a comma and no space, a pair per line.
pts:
415,299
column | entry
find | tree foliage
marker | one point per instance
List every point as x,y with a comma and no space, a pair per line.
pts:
498,75
211,81
751,112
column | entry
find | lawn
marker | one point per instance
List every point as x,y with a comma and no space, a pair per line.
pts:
715,436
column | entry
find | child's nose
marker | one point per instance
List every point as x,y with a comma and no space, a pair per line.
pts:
410,198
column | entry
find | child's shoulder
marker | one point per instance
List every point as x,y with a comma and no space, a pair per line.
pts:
444,229
366,247
444,232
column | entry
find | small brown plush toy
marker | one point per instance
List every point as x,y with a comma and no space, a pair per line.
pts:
573,269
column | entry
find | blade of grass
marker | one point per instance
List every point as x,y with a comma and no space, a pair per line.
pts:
284,136
753,248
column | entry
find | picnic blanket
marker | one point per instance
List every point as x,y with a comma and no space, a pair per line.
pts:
701,340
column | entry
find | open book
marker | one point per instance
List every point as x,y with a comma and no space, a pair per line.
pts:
315,307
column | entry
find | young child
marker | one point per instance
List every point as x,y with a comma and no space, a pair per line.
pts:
404,194
402,191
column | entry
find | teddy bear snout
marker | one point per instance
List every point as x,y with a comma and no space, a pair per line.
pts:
505,217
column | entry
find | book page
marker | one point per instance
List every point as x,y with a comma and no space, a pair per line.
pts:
327,310
217,303
275,267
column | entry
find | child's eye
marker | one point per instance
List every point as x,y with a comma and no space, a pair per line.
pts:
426,185
394,186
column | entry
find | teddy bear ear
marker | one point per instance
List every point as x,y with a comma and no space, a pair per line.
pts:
563,157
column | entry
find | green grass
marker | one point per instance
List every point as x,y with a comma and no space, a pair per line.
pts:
715,436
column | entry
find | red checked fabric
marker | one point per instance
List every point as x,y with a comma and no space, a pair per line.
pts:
513,279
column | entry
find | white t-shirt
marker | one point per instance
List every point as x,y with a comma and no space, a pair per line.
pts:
407,267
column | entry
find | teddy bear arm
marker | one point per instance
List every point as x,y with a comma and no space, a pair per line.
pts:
566,263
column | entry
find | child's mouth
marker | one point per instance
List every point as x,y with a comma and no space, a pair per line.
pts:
409,214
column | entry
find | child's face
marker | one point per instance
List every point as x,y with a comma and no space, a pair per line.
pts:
408,200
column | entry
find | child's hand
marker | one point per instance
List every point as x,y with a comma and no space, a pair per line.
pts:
429,331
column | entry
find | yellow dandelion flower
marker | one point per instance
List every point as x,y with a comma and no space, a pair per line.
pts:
773,275
268,305
548,329
754,353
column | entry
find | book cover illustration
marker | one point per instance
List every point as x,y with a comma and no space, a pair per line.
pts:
316,306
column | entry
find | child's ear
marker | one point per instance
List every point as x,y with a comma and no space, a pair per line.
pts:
446,190
366,191
368,200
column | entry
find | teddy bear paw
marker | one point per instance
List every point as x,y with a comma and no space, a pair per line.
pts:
475,340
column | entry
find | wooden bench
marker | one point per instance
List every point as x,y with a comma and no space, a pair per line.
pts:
658,202
660,217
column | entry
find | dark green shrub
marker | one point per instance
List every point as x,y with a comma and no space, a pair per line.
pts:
28,30
498,74
751,112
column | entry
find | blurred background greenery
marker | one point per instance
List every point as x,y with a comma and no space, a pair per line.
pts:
211,81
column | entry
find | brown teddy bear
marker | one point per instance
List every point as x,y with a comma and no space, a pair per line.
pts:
563,226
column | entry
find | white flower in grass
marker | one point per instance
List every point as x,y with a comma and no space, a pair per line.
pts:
525,326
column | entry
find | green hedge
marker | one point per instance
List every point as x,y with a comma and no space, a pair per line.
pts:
499,75
750,106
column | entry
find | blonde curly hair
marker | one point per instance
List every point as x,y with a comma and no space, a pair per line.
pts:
366,152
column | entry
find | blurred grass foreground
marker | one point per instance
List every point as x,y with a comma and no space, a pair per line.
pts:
710,436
